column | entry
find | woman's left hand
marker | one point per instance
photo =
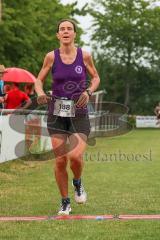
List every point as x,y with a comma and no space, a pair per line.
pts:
83,100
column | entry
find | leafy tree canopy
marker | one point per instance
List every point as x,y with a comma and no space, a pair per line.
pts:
28,31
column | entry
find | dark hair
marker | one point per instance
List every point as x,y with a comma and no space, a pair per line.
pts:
29,86
15,84
67,20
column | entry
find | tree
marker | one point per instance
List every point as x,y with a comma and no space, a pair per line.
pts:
0,10
28,31
126,35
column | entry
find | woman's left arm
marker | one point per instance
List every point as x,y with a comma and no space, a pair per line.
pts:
94,82
92,71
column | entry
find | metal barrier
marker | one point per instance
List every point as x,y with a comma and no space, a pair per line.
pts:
106,124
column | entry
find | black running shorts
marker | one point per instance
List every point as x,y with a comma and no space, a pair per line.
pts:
68,125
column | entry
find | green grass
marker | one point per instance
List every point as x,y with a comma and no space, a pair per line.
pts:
126,184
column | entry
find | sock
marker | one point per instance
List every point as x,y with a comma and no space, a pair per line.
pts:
66,200
76,182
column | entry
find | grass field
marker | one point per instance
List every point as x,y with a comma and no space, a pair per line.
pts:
121,176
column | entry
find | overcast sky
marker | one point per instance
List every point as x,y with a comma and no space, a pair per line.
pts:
86,21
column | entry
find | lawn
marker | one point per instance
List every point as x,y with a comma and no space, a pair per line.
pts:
121,176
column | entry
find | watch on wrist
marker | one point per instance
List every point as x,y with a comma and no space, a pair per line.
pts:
89,92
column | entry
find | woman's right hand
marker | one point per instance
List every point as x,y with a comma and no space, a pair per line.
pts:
43,99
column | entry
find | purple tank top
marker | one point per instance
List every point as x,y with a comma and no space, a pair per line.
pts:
68,80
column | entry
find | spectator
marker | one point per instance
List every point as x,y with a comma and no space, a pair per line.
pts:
15,98
29,90
157,112
2,70
6,88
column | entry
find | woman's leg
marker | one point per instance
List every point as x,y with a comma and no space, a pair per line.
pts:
60,152
78,144
77,148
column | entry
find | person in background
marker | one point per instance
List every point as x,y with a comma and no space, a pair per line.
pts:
2,71
157,112
29,90
15,98
7,88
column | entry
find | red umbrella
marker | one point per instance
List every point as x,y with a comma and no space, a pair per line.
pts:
18,75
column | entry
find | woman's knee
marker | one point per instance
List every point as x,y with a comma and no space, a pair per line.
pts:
75,156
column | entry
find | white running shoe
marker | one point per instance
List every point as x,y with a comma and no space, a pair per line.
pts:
80,194
65,208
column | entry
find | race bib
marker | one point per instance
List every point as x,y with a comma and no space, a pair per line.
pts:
64,108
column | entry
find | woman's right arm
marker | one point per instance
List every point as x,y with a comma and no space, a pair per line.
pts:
47,64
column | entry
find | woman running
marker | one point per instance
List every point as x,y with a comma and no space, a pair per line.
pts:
68,120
